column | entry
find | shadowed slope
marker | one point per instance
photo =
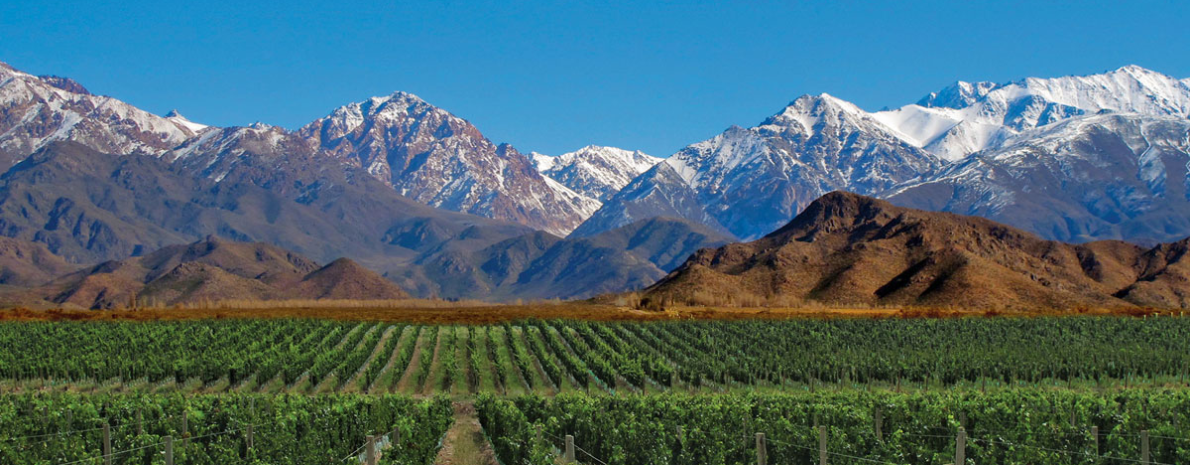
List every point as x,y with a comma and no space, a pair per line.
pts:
214,270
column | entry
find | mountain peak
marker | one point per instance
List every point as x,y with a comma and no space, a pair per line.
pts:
809,111
1135,70
403,96
959,95
595,171
810,102
834,208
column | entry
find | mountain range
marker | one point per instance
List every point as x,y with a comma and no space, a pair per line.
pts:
422,197
1108,156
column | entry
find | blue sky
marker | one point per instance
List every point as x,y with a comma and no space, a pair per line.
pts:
554,76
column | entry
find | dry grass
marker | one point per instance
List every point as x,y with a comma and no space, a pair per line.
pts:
442,312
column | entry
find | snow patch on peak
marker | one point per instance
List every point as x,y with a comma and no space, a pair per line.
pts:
178,119
541,161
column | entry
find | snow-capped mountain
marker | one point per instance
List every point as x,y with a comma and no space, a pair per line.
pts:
421,151
35,111
968,117
442,160
595,171
1112,176
745,181
753,180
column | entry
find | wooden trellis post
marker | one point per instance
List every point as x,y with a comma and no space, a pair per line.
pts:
370,451
960,447
822,455
1145,457
569,452
107,444
1095,440
762,453
169,450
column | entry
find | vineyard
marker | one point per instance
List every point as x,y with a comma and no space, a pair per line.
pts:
550,357
1012,391
216,429
1012,426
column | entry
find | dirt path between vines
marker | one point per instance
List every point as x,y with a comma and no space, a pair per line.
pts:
464,443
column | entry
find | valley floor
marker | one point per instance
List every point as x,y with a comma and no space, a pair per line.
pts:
477,313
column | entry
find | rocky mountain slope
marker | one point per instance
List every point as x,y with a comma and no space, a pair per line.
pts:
420,151
24,263
439,159
35,111
753,180
212,270
88,206
1111,176
1088,175
594,171
847,249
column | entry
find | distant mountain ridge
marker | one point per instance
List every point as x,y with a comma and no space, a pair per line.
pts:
752,180
542,266
419,150
1112,176
969,117
419,194
211,270
947,152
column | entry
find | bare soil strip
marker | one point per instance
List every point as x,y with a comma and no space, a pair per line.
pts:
352,385
434,380
465,443
405,385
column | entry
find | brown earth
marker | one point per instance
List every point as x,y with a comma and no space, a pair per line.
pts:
465,443
850,250
210,270
24,263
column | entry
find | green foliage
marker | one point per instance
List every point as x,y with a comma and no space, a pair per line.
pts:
1011,426
427,355
1089,351
43,429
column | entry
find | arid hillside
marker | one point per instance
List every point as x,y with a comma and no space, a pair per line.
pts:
847,249
210,270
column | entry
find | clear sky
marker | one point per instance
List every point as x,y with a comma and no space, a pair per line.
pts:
554,76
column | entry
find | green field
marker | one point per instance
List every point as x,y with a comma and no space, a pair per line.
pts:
1024,390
